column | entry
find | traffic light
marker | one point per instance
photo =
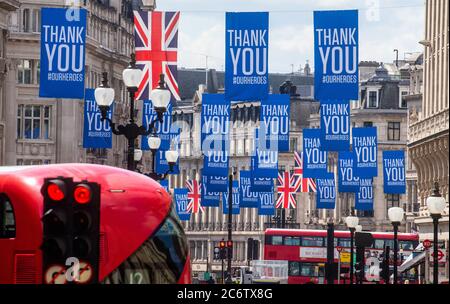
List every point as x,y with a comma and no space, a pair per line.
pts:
229,249
86,227
71,229
384,273
223,250
252,249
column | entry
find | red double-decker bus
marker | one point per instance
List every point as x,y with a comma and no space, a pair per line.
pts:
140,237
306,251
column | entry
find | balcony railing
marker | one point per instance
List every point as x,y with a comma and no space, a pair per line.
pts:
287,225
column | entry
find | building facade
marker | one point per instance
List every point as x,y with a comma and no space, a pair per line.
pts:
49,130
380,105
428,130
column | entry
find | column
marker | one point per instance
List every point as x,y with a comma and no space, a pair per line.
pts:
10,113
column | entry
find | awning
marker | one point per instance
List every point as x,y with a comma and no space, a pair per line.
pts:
412,261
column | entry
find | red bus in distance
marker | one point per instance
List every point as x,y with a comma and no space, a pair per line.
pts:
306,251
141,239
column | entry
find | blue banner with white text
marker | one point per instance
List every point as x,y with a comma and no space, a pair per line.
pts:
326,192
261,184
336,55
217,183
162,130
394,172
365,147
63,49
209,198
246,59
266,203
235,200
248,198
97,134
181,202
275,120
264,161
335,125
364,197
165,184
347,181
314,159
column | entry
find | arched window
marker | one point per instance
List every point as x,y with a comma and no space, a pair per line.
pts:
7,219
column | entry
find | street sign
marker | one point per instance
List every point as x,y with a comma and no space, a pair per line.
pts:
427,244
85,273
55,274
339,249
216,253
345,257
440,256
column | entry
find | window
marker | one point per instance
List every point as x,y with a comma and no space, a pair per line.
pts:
311,270
373,99
33,122
293,145
26,20
406,245
393,200
291,241
368,124
365,213
312,241
7,219
294,269
24,72
277,240
402,101
36,20
344,242
393,131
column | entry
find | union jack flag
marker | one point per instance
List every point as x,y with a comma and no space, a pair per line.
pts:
305,184
156,41
287,187
194,196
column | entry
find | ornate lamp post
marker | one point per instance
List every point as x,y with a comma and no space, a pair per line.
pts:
104,96
396,215
436,205
352,222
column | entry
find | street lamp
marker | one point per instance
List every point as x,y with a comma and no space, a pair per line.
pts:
358,228
436,205
396,215
171,157
352,222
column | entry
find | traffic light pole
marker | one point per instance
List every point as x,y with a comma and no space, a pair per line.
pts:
330,254
352,238
230,228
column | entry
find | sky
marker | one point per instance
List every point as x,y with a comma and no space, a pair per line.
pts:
384,25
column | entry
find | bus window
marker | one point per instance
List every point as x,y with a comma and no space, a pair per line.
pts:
159,260
342,242
406,245
294,269
277,240
379,244
291,241
7,219
310,270
312,241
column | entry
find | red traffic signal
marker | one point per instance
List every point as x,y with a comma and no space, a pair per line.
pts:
229,244
82,194
56,190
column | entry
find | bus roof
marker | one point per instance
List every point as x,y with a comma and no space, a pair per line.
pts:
337,233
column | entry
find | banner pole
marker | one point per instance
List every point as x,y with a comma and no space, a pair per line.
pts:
230,230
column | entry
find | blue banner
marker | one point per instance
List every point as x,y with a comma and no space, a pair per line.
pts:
218,183
326,192
246,59
266,203
275,120
264,161
209,198
63,50
262,184
162,130
248,198
365,148
214,134
347,181
96,133
394,172
314,159
335,125
165,184
336,55
181,201
235,204
364,197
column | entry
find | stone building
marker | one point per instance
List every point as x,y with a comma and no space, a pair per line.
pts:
205,230
49,130
380,105
428,129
